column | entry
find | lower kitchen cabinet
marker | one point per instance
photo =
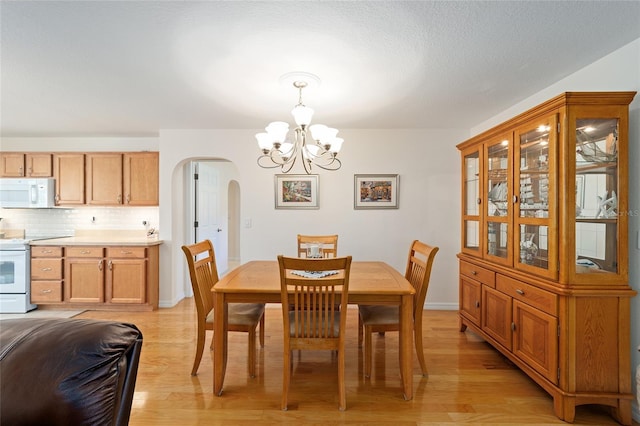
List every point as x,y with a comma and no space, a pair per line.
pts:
95,277
46,274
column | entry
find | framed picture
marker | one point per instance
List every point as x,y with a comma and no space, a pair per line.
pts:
376,191
296,192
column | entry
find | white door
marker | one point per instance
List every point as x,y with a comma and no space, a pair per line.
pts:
207,221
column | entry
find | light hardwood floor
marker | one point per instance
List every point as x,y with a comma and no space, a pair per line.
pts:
469,382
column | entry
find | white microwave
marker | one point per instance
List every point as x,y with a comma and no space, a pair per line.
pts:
27,193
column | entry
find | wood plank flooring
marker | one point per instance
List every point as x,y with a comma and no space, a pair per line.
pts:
469,382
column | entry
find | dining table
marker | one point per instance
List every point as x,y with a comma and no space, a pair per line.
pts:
370,283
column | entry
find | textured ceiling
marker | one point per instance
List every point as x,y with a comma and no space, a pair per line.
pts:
116,68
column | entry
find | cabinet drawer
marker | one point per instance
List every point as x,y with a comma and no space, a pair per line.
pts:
46,291
127,252
46,269
46,251
483,275
533,296
80,252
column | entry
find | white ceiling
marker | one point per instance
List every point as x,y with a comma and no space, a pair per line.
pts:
130,68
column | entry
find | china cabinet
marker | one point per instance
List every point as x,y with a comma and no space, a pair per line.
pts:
543,260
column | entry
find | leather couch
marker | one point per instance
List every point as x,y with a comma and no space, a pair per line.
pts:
67,371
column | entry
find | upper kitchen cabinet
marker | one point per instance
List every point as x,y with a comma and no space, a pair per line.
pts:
140,178
17,164
104,179
68,171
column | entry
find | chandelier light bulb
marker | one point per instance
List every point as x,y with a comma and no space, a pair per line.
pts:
302,115
278,131
264,142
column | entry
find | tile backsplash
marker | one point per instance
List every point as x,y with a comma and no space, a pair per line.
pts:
63,221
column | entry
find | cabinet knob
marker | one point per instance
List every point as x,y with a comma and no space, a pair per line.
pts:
477,303
520,292
474,273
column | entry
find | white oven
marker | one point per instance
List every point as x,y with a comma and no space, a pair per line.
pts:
15,277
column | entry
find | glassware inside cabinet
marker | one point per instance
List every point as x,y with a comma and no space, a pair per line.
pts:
497,239
534,173
534,245
596,195
497,183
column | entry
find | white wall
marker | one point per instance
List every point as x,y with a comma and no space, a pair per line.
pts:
426,160
619,71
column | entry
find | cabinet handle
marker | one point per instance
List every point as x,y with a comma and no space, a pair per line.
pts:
57,198
128,198
477,303
45,291
520,292
30,171
125,252
515,199
119,198
513,326
20,171
45,251
478,201
85,252
110,263
46,269
474,273
100,265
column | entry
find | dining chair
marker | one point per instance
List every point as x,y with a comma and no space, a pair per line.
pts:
241,316
380,319
329,244
314,287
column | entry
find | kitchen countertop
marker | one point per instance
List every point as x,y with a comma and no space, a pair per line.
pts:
100,240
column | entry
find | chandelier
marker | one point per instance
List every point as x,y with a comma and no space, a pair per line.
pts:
315,145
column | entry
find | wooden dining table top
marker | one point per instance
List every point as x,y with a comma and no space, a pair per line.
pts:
367,278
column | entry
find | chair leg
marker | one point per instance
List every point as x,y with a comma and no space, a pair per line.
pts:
199,349
286,378
417,335
342,395
367,351
360,330
262,331
252,352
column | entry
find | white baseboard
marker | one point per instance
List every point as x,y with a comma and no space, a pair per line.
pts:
635,412
442,306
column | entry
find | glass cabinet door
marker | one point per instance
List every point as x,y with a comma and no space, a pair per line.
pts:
498,206
535,242
471,242
597,229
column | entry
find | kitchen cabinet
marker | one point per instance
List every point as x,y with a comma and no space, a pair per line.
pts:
68,172
126,275
544,247
140,178
46,274
95,276
84,275
16,164
103,179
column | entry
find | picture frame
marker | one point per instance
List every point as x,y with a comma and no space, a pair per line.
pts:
373,191
296,192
